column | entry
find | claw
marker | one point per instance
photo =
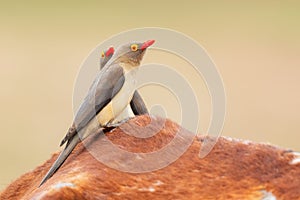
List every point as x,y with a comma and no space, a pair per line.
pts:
114,125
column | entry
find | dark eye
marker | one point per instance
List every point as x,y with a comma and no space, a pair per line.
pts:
102,54
134,47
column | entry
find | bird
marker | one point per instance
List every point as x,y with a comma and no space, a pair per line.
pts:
137,104
110,93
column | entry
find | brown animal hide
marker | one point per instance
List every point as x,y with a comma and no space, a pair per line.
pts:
234,169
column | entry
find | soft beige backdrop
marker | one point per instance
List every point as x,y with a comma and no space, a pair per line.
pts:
255,46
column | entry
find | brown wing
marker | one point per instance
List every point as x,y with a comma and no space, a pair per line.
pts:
106,85
73,130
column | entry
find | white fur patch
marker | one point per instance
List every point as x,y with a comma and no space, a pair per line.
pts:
268,195
296,159
62,185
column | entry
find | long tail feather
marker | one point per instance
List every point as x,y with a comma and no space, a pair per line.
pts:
61,158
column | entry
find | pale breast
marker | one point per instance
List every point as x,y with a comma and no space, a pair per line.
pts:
121,100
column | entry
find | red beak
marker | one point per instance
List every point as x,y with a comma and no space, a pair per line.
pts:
147,44
110,51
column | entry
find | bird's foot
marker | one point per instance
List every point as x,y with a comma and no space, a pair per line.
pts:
119,123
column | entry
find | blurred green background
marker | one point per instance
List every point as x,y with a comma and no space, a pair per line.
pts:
255,45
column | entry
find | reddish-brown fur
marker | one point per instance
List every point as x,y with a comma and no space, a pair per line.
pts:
232,170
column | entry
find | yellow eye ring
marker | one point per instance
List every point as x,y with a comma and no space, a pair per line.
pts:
102,54
134,47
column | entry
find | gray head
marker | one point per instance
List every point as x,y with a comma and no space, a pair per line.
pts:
131,53
105,56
